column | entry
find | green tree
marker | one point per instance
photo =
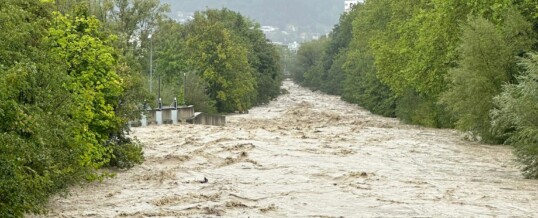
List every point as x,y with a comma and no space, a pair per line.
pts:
170,59
392,46
263,64
488,60
415,52
335,54
90,61
268,72
516,115
39,154
131,21
361,84
197,96
401,63
529,9
262,56
309,68
220,59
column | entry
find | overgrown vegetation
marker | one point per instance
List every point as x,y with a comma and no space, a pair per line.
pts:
227,61
62,91
487,61
516,115
437,63
72,73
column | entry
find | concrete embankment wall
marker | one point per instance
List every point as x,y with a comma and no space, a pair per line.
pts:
176,115
185,113
206,119
168,115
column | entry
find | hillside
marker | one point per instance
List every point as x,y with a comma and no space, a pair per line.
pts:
296,20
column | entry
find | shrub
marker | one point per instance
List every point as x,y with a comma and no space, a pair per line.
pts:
126,153
516,116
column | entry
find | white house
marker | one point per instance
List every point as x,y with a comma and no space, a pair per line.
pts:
294,47
268,29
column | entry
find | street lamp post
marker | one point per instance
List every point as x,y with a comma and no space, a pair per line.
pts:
151,64
184,88
160,103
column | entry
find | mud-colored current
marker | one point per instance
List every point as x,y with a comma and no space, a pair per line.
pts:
308,154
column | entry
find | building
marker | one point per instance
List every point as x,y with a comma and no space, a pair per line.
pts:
268,29
294,47
350,3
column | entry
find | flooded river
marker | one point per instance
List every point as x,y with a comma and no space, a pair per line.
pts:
308,154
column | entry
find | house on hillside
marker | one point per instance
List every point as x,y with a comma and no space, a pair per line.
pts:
294,47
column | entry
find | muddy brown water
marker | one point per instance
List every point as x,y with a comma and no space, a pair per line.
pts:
308,154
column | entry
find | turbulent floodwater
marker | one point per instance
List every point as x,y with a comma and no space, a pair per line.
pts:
308,154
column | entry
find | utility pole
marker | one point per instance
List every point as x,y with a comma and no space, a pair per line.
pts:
159,103
151,64
184,87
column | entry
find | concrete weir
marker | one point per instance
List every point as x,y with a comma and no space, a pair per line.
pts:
206,119
175,115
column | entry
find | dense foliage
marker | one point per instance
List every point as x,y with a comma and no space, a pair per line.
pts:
438,63
67,89
221,61
477,79
227,61
72,74
32,138
516,115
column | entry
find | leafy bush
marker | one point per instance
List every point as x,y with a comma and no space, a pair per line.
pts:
516,116
126,153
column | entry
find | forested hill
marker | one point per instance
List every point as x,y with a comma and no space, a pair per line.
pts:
308,16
